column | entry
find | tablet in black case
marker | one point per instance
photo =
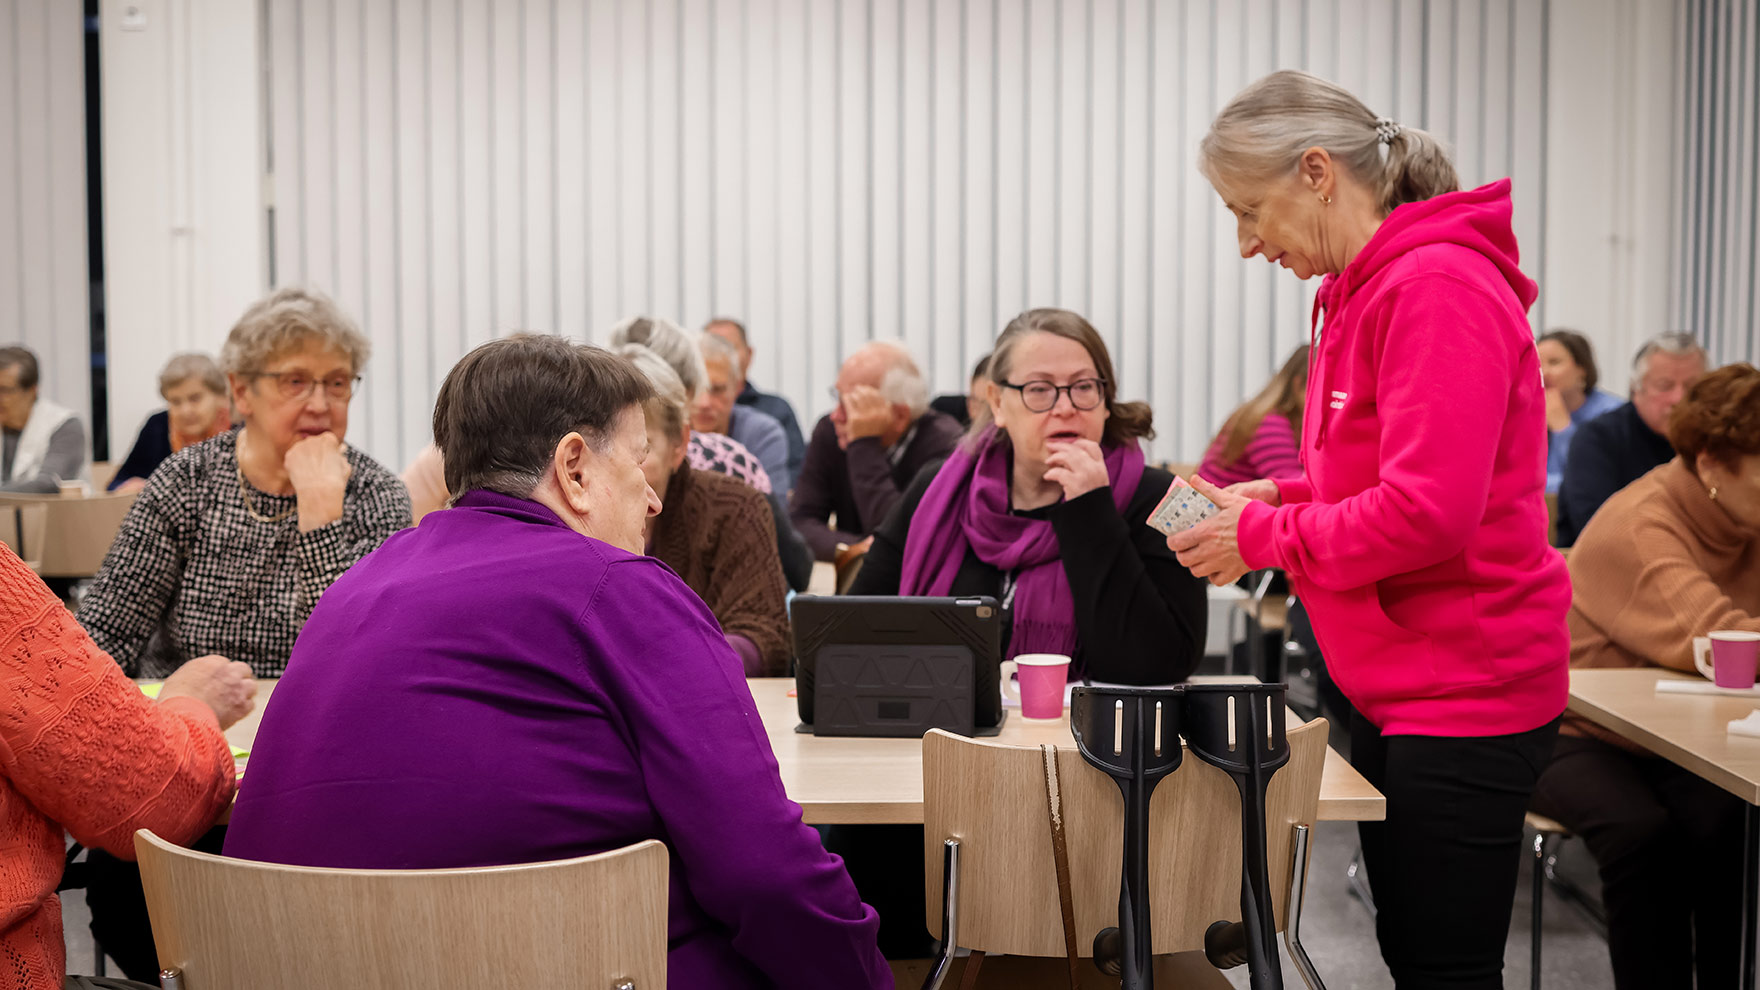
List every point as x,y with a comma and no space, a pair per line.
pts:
893,666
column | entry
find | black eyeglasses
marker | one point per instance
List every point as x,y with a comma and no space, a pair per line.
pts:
1041,396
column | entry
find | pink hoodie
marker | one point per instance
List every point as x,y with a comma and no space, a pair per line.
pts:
1417,536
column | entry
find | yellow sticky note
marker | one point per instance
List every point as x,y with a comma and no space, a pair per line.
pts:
239,754
152,690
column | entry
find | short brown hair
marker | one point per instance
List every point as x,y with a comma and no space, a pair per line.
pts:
1127,420
1577,346
506,405
1720,416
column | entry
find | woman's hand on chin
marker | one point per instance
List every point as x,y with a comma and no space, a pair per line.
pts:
319,472
1079,466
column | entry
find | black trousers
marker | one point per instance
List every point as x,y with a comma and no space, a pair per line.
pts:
1669,846
1443,865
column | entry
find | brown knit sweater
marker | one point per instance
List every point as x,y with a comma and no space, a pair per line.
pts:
1659,564
717,533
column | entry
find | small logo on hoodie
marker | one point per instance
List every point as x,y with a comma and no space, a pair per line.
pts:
1338,399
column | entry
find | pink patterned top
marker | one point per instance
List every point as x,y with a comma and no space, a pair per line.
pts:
723,454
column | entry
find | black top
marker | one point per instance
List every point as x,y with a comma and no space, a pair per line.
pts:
778,407
861,485
1140,616
952,405
149,451
1608,453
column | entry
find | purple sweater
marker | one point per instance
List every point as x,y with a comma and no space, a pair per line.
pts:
1272,453
495,688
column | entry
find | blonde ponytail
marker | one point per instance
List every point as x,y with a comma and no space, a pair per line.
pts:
1260,135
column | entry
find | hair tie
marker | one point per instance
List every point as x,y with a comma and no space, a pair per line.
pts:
1386,130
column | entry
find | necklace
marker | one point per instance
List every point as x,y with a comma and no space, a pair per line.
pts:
244,494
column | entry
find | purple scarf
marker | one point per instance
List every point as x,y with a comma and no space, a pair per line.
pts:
967,505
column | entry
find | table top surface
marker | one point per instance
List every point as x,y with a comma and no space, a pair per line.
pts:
846,780
880,781
1690,730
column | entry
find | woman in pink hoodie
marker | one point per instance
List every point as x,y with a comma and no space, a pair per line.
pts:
1417,534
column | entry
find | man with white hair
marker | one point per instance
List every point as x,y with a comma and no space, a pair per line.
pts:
1617,448
864,454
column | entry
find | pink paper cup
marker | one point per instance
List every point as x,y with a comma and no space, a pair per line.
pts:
1734,657
1042,678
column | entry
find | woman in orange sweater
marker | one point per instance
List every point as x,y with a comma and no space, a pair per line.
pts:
83,750
1674,555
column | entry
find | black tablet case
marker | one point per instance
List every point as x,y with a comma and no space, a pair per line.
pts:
893,666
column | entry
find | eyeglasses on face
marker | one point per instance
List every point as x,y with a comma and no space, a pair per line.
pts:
293,385
1042,396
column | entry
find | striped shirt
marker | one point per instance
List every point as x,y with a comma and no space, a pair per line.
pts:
1272,453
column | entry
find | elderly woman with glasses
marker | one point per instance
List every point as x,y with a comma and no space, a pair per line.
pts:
1044,507
232,541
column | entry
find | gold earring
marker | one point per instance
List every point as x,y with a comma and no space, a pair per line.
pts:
1325,200
1713,493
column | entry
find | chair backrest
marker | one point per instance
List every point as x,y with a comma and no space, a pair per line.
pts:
21,528
992,798
77,531
102,474
591,922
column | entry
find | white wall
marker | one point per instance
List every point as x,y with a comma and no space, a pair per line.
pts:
1613,156
1716,283
185,243
459,170
835,170
43,270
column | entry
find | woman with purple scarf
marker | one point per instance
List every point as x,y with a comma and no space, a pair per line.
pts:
1045,508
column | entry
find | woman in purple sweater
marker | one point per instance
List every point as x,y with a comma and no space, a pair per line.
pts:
514,682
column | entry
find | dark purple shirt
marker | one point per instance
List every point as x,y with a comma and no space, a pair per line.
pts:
495,688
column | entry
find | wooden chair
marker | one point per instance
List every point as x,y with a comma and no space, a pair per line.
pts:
22,528
1548,836
596,922
77,532
849,564
103,472
985,818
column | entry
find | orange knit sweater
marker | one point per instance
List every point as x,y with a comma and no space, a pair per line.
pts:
1659,564
82,749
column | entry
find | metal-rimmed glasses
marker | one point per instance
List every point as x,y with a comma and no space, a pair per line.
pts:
296,385
1041,396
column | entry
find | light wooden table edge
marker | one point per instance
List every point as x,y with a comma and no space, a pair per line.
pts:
1686,759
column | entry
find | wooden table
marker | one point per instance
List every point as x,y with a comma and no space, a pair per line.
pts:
843,781
850,781
1691,731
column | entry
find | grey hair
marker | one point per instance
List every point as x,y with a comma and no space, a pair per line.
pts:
183,367
1675,343
669,341
669,404
288,318
718,349
903,381
1260,136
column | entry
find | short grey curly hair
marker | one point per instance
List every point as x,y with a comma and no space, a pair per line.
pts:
285,319
192,367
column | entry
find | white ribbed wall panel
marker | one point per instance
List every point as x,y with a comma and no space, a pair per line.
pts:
44,276
1717,239
832,171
